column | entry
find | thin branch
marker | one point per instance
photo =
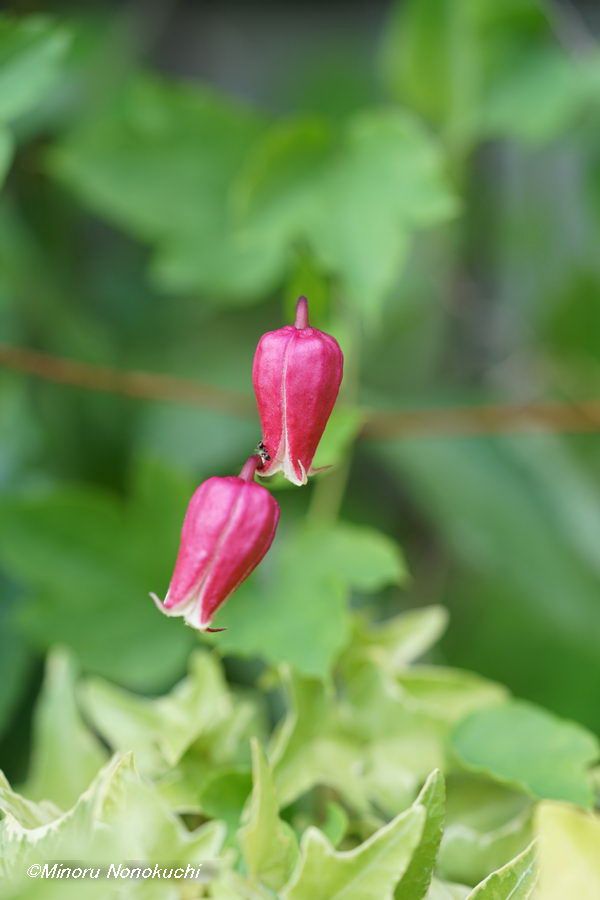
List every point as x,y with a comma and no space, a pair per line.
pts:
582,417
479,420
143,385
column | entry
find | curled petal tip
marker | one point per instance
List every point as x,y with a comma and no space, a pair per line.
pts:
158,603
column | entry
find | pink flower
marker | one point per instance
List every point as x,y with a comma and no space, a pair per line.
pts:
297,374
228,527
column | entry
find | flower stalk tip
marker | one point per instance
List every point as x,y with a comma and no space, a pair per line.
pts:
301,313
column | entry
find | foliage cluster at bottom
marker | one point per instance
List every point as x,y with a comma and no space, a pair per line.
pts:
391,779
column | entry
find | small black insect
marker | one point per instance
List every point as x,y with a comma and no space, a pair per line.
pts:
262,452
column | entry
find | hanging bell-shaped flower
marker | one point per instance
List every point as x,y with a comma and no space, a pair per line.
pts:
297,373
229,525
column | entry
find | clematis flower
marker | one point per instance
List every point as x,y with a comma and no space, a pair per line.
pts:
229,525
297,373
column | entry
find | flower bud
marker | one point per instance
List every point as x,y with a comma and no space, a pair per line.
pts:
297,373
228,527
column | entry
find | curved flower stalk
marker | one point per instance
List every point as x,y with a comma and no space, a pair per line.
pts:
297,373
229,525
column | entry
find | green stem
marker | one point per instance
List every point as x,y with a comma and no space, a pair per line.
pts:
328,492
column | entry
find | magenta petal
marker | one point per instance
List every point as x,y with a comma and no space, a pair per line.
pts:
229,525
297,373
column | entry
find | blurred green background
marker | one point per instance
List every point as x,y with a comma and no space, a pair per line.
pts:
427,172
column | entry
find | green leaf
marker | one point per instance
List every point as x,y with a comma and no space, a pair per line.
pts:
23,840
159,162
341,431
369,872
160,730
522,744
404,720
88,561
515,498
422,67
336,823
568,857
31,50
66,755
487,824
400,743
24,811
399,641
6,152
229,885
118,817
514,881
443,890
268,844
415,882
457,62
537,101
300,616
224,795
220,751
312,747
449,694
305,183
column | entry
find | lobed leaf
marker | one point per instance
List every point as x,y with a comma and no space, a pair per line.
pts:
522,744
267,843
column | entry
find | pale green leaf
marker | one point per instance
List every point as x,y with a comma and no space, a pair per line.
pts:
218,753
118,817
335,824
415,882
568,853
444,890
404,719
448,694
522,744
65,755
229,885
223,796
268,844
487,824
27,813
312,747
68,834
399,641
160,730
401,743
369,872
514,881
